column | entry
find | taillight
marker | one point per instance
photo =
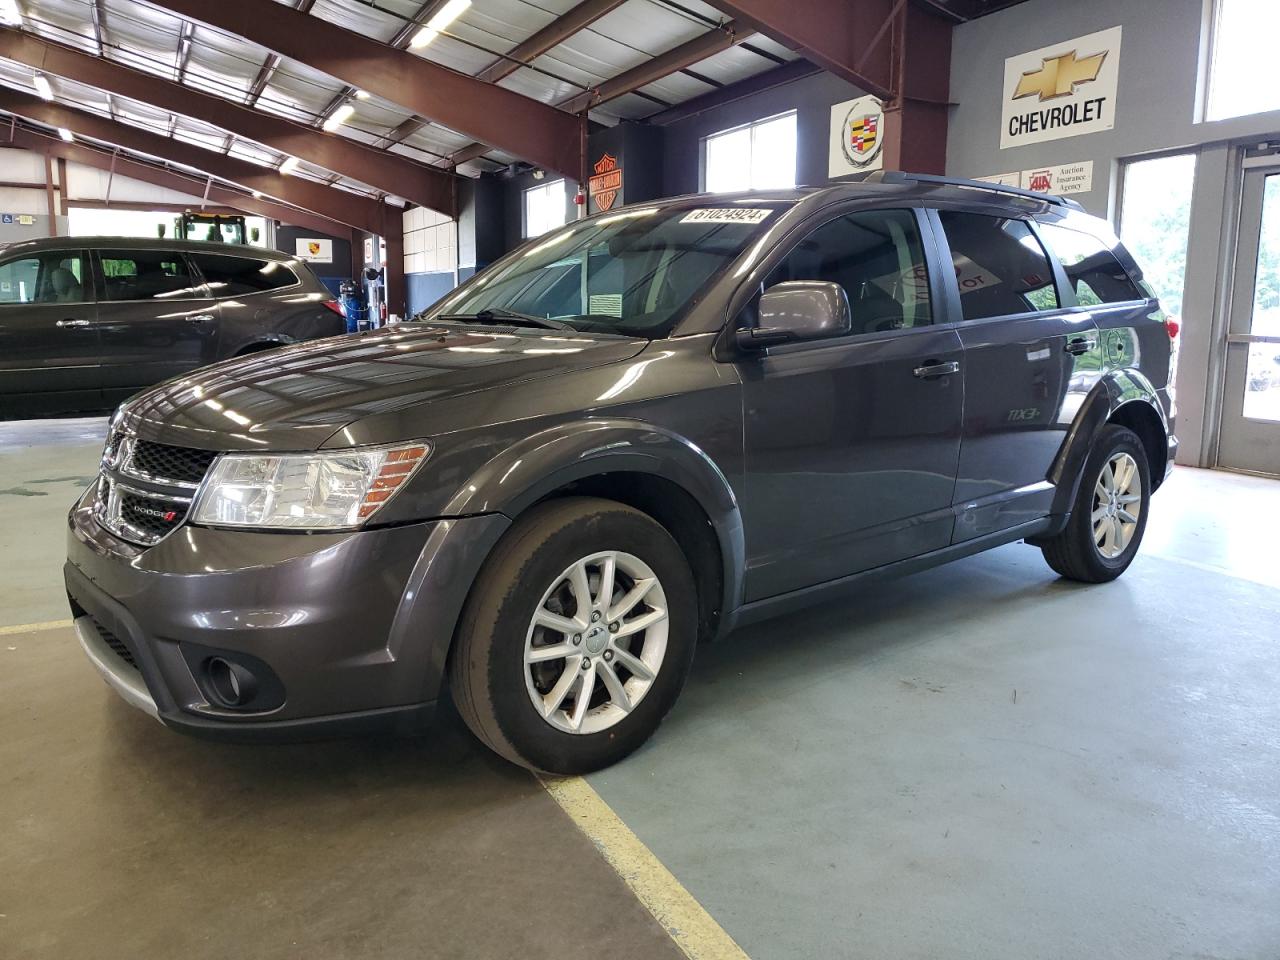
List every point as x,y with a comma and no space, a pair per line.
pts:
335,306
1172,327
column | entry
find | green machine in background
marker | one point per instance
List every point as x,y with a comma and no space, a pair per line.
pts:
212,227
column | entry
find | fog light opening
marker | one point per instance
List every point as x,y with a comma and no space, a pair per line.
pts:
230,683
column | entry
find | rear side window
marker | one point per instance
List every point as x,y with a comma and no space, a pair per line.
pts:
146,275
1000,266
1092,270
240,276
877,257
54,277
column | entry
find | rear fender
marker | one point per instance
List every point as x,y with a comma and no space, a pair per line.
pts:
1114,390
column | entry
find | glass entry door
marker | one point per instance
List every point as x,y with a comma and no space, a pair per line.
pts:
1249,438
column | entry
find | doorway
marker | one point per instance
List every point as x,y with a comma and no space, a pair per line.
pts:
1249,433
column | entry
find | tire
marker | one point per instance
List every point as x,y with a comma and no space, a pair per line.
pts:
1077,553
533,571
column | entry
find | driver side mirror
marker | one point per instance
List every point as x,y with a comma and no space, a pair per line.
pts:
798,310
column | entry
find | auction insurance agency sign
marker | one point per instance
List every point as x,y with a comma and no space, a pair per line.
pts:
1062,90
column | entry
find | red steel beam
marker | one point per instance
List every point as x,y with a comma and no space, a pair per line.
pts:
699,48
171,180
521,125
348,208
831,33
420,184
552,35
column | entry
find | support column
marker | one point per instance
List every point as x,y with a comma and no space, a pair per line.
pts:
48,195
916,116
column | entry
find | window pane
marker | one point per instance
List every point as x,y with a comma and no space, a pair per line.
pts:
1155,221
1000,266
729,161
146,275
53,277
1262,382
1243,44
240,276
877,258
773,153
760,156
1092,269
544,208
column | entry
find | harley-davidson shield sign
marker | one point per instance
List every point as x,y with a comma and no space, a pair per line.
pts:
605,186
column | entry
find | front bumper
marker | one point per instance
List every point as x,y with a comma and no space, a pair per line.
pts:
343,632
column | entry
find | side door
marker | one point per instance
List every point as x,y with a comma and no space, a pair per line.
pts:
1029,361
48,334
156,319
262,302
851,443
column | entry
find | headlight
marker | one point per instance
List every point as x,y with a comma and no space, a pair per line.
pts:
326,490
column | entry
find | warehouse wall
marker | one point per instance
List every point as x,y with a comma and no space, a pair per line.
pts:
811,96
1156,104
430,257
1163,51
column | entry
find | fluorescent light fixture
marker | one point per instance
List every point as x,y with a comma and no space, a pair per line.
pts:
290,164
436,25
9,13
362,94
66,134
257,195
339,117
42,86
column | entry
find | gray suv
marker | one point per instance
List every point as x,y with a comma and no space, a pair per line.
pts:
630,435
86,322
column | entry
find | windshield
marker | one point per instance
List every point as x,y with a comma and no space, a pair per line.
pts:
632,273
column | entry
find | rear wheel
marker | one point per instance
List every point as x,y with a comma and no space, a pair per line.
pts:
577,637
1110,511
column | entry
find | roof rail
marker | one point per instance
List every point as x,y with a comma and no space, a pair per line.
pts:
901,176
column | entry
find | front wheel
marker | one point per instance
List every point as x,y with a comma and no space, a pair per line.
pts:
1110,511
577,636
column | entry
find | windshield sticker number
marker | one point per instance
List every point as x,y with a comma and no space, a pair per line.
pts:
730,215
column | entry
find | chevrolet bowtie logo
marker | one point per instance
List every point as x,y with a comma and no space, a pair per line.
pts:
1059,76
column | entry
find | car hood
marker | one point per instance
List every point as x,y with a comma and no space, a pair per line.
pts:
295,398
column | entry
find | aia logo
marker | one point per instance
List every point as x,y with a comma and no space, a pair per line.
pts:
1041,181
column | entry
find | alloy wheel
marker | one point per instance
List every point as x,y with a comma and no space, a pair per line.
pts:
1117,505
596,642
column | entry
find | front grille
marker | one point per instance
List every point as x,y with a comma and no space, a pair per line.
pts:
146,488
114,642
152,517
163,462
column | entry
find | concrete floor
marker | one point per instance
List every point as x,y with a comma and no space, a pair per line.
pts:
979,761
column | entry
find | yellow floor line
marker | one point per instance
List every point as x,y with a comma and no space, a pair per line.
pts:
34,627
684,919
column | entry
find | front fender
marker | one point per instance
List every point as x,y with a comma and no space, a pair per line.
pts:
1113,390
540,464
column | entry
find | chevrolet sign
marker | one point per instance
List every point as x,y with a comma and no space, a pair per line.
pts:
1061,91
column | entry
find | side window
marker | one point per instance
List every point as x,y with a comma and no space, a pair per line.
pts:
1092,269
146,275
240,276
877,257
1000,266
53,277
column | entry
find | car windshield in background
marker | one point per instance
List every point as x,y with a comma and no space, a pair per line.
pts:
632,273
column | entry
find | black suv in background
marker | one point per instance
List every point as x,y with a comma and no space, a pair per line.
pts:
86,322
630,434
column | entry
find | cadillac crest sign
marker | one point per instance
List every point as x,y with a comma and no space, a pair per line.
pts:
857,137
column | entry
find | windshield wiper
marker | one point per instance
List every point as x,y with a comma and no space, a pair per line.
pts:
497,315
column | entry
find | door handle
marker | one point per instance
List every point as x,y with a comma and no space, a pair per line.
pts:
931,370
201,318
1079,345
72,324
